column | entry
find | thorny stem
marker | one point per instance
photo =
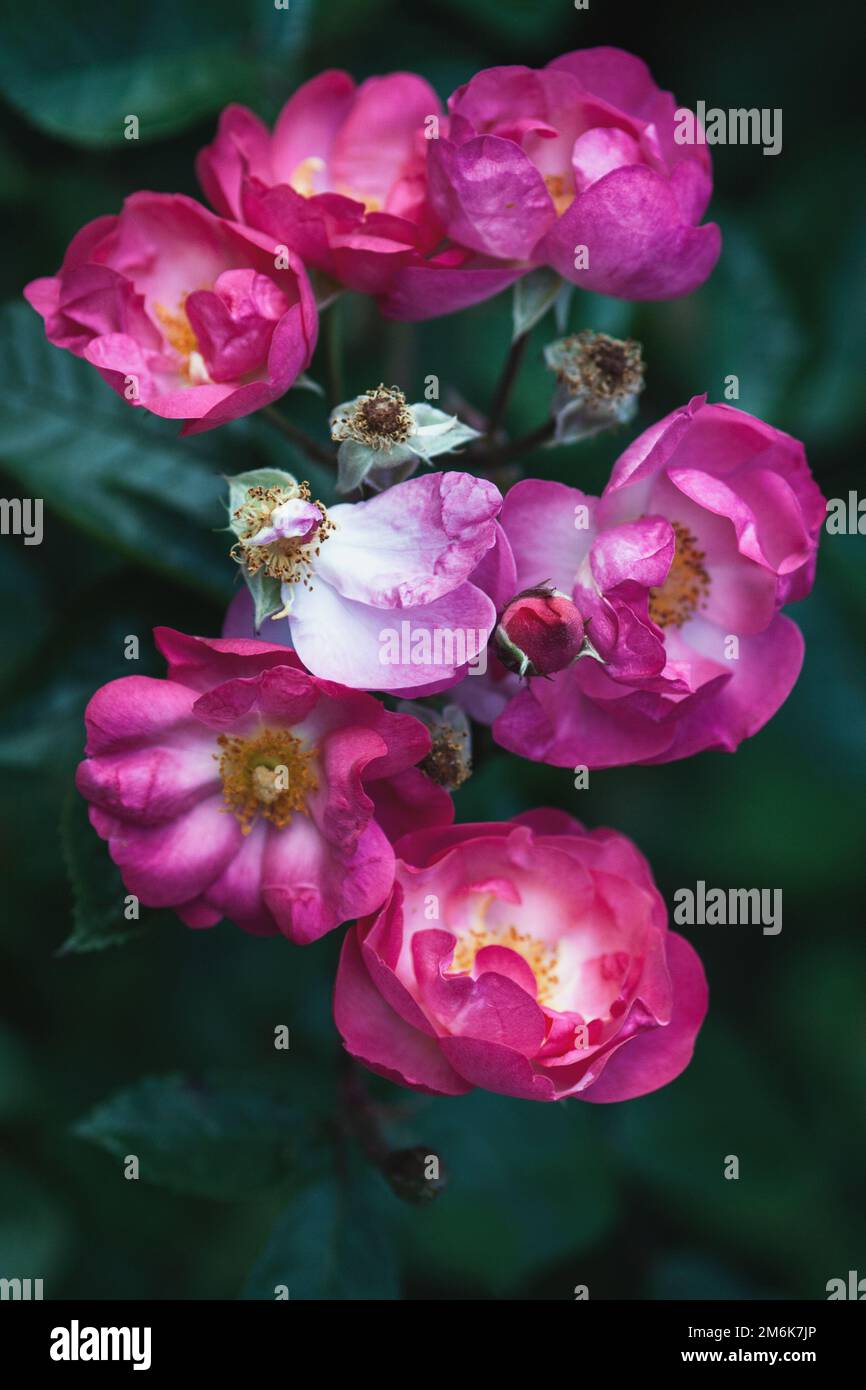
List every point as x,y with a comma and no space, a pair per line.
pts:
315,451
506,382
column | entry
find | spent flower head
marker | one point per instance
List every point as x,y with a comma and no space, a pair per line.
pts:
449,762
382,437
599,379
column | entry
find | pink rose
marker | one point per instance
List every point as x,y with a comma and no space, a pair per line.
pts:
381,598
244,787
180,311
538,164
709,524
531,957
342,178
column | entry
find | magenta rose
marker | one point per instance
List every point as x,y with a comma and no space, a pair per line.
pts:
181,312
531,958
709,524
538,163
342,179
244,787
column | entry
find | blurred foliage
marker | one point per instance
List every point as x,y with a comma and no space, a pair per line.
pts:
165,1047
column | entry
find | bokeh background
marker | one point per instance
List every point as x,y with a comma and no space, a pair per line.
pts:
162,1046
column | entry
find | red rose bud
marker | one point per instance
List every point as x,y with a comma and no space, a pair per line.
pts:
539,632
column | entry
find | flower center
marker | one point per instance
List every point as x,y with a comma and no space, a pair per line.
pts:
687,586
303,181
178,333
269,775
560,192
286,558
539,955
608,368
380,418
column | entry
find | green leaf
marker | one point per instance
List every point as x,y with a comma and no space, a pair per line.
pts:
534,294
113,471
225,1139
80,76
98,894
333,1242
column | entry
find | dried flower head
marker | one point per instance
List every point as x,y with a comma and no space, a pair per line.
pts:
449,761
604,368
380,419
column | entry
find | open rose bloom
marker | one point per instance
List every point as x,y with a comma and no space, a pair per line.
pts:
538,163
376,594
531,958
244,787
180,311
709,524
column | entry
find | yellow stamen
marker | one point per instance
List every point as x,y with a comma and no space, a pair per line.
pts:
539,955
371,203
687,586
177,328
562,195
303,181
178,333
290,560
269,775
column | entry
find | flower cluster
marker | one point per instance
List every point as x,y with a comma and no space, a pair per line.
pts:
272,778
573,166
708,525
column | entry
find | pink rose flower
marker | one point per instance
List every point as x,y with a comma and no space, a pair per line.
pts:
381,598
180,311
531,958
244,787
709,524
342,178
580,154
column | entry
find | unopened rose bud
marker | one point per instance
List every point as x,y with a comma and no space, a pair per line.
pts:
540,632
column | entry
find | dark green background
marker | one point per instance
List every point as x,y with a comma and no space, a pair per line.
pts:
628,1199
